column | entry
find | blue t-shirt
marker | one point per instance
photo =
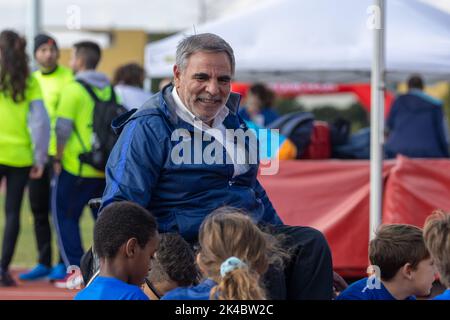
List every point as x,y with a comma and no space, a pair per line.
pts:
103,288
360,290
199,292
443,296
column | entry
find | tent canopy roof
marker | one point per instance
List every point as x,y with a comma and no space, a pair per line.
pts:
323,40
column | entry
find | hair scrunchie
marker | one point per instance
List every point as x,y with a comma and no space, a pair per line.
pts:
231,264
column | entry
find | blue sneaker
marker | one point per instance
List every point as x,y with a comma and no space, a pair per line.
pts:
40,271
58,272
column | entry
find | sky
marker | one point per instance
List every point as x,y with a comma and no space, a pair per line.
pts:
67,20
150,15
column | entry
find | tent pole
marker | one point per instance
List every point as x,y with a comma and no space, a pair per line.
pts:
33,27
377,121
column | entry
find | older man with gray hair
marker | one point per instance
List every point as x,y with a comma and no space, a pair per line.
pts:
175,157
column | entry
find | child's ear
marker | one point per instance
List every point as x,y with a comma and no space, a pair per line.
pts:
407,271
130,247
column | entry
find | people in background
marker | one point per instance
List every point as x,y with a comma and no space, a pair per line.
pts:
125,239
416,126
259,103
52,78
128,84
77,182
24,137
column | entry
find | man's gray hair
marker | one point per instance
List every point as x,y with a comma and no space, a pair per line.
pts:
204,42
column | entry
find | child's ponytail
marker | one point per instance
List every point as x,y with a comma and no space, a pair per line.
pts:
235,254
237,282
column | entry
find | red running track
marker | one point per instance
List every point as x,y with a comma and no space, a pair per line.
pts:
35,290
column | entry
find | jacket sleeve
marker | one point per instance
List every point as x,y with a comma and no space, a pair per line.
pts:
39,125
134,165
270,215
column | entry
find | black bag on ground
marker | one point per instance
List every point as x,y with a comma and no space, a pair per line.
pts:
340,131
103,136
298,127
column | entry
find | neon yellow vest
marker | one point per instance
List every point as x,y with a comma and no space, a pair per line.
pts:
77,105
51,85
16,147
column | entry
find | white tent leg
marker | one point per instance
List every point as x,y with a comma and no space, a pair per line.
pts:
377,122
33,27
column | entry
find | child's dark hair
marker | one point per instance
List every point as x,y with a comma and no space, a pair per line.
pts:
119,222
396,245
264,94
415,82
174,261
90,52
130,74
227,234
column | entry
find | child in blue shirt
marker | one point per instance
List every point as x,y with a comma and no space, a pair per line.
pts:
173,266
234,253
436,233
125,239
402,264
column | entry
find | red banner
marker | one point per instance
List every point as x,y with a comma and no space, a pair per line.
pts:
333,197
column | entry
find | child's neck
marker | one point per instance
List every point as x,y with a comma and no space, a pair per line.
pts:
110,268
396,289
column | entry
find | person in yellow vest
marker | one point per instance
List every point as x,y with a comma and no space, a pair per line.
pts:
24,136
52,77
76,183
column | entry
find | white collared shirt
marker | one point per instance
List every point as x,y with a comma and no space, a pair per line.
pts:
186,115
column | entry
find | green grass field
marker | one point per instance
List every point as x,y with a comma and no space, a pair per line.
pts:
26,248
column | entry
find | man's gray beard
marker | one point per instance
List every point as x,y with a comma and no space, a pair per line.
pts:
207,120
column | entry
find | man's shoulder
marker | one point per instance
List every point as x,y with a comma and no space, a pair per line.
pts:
150,112
72,87
148,117
65,75
65,70
422,97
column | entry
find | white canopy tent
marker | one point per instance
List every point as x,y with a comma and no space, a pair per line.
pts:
323,40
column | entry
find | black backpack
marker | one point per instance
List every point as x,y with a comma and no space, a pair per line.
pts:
103,136
298,127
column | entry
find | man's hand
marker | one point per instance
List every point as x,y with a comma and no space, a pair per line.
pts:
36,172
339,284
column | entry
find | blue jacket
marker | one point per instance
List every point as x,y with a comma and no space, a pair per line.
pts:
141,169
416,127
